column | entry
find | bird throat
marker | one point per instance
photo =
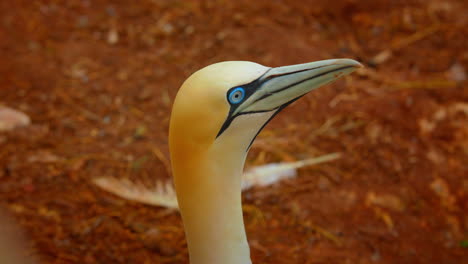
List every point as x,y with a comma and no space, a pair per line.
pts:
211,209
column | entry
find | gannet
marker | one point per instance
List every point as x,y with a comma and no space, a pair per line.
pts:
216,115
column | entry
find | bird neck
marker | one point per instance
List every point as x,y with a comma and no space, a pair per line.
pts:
208,187
207,177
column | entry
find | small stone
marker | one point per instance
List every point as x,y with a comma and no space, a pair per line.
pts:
82,22
457,72
323,183
442,189
113,36
110,10
426,126
11,119
154,240
44,157
106,120
435,156
388,201
376,257
221,35
33,45
167,28
122,75
79,71
145,94
140,132
189,30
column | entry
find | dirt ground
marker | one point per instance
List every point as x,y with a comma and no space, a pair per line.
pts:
98,79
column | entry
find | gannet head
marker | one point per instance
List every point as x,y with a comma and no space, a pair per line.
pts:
232,101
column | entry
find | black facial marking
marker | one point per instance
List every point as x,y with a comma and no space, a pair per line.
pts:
271,117
249,89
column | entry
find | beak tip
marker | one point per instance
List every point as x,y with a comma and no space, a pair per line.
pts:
350,62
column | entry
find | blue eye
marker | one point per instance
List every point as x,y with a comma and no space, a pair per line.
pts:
236,95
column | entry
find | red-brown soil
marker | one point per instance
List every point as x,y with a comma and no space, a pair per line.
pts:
98,78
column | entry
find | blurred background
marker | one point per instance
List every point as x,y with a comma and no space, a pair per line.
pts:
86,89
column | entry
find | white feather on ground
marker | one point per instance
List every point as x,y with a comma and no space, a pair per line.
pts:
163,194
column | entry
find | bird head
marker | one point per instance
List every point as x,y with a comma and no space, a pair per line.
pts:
230,102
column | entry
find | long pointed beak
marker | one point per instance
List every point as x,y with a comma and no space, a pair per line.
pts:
282,85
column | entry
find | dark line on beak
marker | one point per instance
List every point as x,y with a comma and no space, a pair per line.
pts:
301,81
286,74
289,73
